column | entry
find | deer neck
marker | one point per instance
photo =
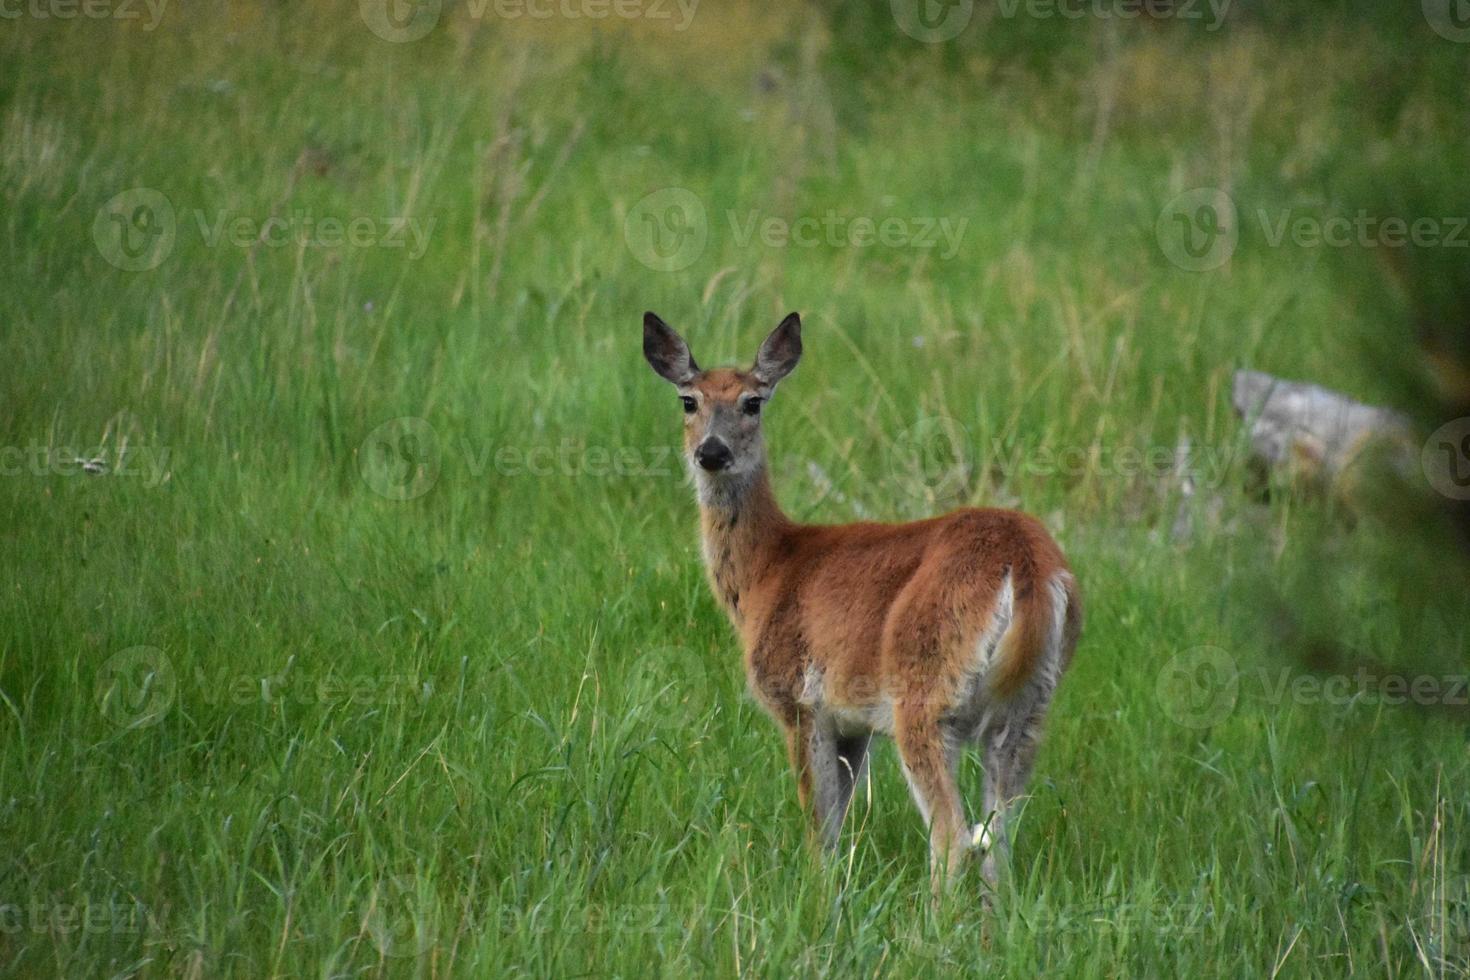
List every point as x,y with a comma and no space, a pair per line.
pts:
740,525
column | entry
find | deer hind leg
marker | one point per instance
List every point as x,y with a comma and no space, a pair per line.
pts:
928,758
1009,754
1010,744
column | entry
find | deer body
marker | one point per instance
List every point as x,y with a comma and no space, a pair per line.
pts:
937,633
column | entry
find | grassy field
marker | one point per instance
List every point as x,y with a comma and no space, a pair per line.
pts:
379,643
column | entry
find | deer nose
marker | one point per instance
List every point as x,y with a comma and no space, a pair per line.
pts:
712,455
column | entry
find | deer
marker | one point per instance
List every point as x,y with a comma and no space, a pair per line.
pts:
939,634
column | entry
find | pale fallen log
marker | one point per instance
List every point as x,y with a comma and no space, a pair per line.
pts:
1312,432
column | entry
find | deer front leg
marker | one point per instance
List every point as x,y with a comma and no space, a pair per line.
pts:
798,749
827,767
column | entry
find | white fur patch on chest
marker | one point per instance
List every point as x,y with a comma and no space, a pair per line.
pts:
811,687
877,717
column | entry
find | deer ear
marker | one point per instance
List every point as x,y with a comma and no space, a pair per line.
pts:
666,351
780,352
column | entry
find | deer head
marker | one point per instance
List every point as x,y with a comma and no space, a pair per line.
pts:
722,406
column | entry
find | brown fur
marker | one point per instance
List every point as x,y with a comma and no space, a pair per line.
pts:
877,607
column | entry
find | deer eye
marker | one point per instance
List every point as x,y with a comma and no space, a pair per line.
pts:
689,404
752,406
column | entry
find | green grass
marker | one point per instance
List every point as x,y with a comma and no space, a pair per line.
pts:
501,727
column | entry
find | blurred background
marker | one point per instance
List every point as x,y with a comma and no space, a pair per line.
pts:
355,622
